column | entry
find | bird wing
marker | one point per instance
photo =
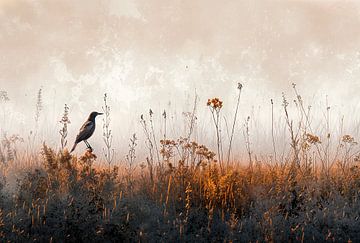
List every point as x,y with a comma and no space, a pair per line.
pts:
85,131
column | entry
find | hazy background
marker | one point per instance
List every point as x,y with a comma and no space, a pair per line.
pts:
155,54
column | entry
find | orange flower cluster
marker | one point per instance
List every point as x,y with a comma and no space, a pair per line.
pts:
192,145
215,103
348,139
312,139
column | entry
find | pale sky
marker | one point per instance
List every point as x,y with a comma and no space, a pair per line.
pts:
145,54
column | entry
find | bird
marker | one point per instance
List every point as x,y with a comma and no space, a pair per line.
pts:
86,130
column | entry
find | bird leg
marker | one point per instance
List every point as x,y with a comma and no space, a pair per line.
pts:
88,145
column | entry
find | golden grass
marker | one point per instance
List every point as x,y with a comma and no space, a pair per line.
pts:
76,199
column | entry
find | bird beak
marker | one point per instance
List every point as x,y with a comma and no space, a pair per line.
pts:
100,113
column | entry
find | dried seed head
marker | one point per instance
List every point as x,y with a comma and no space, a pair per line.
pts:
215,103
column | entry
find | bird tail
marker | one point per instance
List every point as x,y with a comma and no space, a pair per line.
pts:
73,148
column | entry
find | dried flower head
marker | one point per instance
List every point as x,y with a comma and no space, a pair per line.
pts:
285,103
312,139
348,139
215,103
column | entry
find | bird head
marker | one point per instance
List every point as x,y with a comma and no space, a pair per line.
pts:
94,114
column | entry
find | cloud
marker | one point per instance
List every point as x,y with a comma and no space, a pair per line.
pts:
146,53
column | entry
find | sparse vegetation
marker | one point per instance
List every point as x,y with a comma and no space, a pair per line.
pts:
64,130
39,107
109,152
182,191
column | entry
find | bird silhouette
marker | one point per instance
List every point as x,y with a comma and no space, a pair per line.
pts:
86,130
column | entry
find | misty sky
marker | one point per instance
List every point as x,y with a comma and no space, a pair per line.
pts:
145,54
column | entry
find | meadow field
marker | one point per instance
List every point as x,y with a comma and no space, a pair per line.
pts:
179,189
